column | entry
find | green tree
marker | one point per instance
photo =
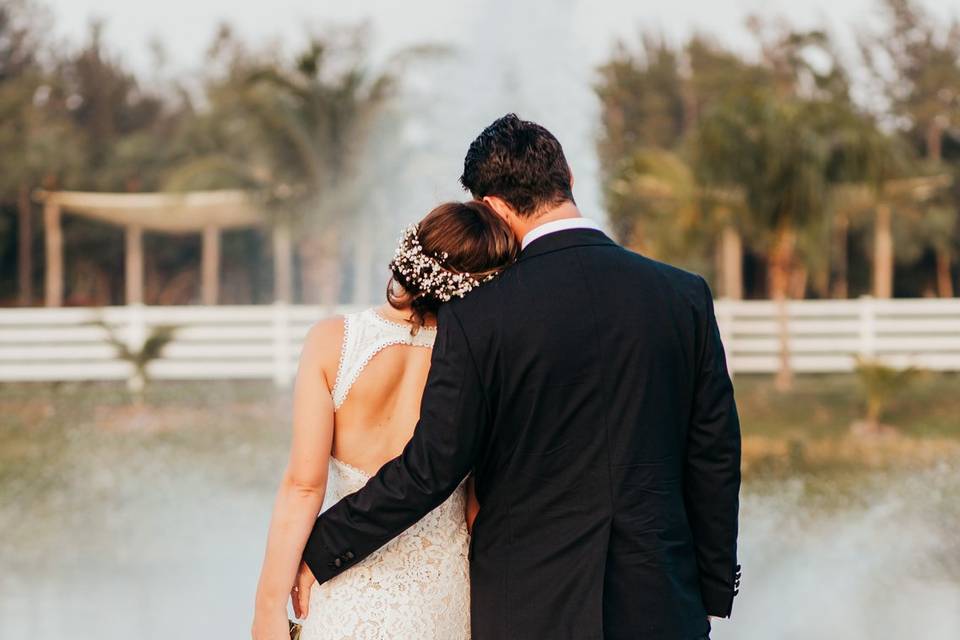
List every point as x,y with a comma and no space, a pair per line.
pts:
642,101
122,136
774,142
916,61
650,100
296,131
38,143
124,129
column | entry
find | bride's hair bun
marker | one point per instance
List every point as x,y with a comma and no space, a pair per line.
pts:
457,247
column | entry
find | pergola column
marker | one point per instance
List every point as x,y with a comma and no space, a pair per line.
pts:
731,258
282,259
53,236
133,264
883,253
210,264
25,248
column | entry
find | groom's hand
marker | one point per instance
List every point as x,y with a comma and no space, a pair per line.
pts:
301,591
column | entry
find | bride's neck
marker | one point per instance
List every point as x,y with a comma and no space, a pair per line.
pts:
404,315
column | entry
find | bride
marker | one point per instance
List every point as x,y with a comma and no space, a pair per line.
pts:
355,404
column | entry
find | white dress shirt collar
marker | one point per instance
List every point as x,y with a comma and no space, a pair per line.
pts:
564,224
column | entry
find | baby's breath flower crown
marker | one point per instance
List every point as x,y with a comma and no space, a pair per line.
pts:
429,274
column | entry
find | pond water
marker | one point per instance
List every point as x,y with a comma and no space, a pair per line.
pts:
121,523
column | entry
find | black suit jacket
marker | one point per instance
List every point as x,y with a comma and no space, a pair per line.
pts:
586,389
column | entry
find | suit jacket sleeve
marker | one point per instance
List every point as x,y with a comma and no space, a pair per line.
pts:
453,420
712,475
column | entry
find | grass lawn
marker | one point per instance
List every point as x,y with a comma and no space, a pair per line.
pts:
826,405
240,430
808,429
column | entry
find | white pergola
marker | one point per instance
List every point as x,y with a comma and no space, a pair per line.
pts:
205,212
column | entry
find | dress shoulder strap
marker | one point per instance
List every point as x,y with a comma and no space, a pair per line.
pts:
365,334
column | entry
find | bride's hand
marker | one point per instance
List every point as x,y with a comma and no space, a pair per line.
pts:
300,594
271,625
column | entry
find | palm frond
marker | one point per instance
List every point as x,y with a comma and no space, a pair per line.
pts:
152,349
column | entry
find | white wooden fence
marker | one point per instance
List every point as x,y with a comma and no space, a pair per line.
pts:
263,342
217,342
827,335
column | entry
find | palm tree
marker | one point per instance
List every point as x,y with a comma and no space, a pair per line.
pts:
658,207
37,140
715,74
777,140
124,128
643,101
773,150
917,61
319,123
880,383
141,357
651,100
915,213
297,134
20,77
864,170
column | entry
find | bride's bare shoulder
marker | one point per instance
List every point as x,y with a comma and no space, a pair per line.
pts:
323,343
326,333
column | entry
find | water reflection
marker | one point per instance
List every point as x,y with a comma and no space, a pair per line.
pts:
855,557
120,522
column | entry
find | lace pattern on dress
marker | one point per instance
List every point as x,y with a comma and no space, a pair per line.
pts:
417,586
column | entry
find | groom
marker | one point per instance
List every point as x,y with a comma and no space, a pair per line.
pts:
586,391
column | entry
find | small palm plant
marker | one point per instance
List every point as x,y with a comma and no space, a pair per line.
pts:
880,384
151,349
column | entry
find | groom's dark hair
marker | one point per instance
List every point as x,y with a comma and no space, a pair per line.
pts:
520,162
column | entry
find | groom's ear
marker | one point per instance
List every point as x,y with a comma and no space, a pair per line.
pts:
501,208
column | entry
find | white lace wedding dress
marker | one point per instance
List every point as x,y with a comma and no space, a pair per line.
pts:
417,586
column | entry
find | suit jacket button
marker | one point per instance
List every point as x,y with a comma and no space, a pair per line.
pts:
350,555
337,563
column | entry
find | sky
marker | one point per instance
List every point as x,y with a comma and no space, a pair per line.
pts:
535,57
186,26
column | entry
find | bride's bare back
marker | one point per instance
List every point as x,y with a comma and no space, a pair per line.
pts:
380,410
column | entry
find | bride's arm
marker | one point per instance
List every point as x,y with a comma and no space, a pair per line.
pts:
304,482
